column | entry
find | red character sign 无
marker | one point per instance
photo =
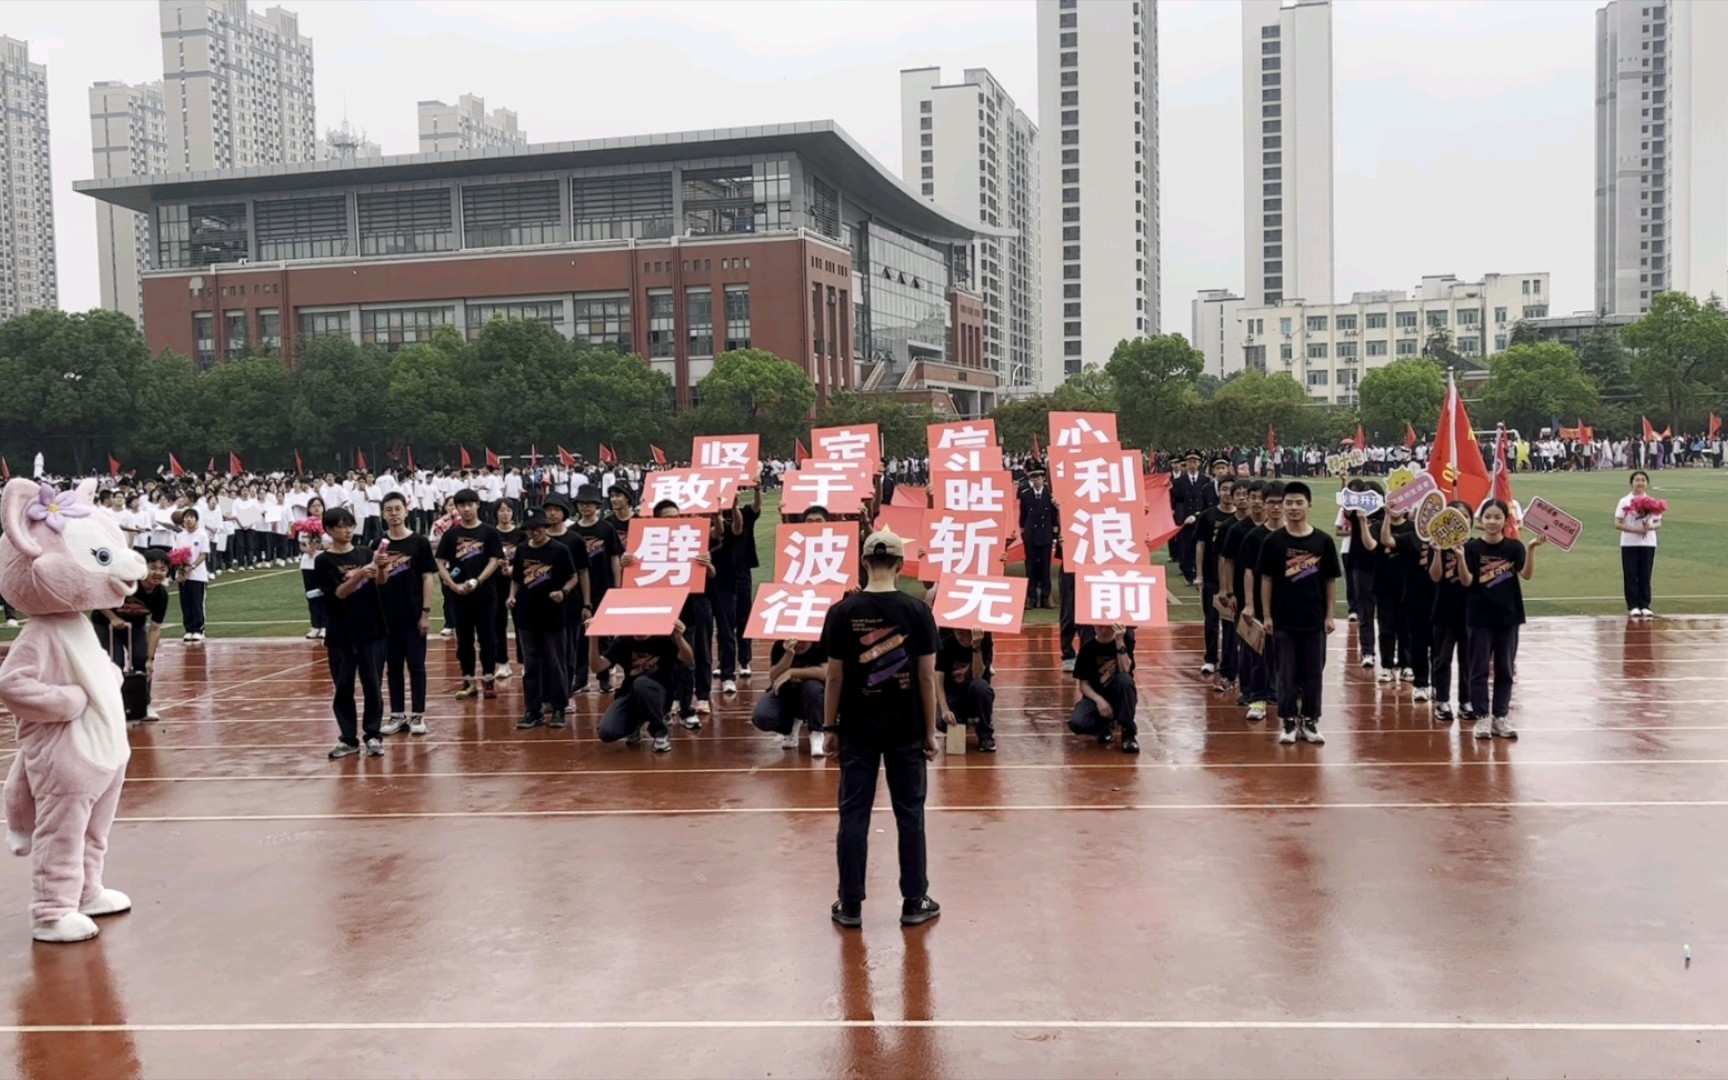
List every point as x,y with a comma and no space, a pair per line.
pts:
981,602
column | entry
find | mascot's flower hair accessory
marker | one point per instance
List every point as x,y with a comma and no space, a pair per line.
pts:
54,507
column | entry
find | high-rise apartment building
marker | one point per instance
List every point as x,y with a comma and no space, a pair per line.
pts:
27,276
237,86
1661,151
467,126
128,137
345,143
1287,150
968,141
1098,107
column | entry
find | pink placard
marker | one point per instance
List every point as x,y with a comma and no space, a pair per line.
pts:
1545,519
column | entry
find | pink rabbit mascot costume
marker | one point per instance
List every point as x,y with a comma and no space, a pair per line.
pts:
60,559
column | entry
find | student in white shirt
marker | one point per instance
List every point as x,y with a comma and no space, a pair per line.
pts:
1637,547
194,575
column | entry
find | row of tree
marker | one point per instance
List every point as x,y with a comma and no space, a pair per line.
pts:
81,387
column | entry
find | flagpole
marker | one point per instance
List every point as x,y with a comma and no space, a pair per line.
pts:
1452,428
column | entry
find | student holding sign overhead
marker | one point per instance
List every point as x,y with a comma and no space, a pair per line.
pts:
1494,565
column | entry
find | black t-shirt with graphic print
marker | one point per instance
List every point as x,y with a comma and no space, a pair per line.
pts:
466,551
1299,568
538,573
654,658
1496,595
404,590
879,638
954,661
602,544
1097,663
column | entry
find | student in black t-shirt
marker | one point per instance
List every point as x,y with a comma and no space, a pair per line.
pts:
967,696
578,608
649,664
881,704
797,686
1298,575
1451,636
410,583
542,577
131,632
1260,674
1494,564
602,545
1104,671
1396,539
469,554
1207,526
1360,563
725,542
509,538
1231,571
1221,576
354,637
746,561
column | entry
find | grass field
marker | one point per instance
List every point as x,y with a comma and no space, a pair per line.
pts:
1691,569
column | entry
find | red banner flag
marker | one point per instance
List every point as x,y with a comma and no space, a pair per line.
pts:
299,466
1037,451
1361,440
1271,438
491,459
799,454
533,457
210,469
1715,426
234,467
1501,483
1409,435
409,451
467,462
360,460
607,457
659,456
566,458
1649,432
174,466
1455,461
113,466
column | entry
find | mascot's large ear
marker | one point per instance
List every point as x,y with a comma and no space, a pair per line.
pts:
87,491
20,493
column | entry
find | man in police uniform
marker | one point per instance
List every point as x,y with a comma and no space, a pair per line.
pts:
1187,499
1038,534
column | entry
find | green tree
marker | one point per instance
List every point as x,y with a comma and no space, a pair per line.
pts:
69,380
519,372
1248,403
1206,386
1608,364
616,398
1439,347
1523,333
1152,377
167,414
904,425
1681,350
428,404
754,390
246,408
1529,385
337,399
1403,392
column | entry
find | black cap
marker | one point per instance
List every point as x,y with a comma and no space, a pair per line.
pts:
588,493
537,520
561,501
467,495
1192,457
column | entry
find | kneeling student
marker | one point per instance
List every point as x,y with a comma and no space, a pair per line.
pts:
1104,669
649,663
968,696
541,576
797,689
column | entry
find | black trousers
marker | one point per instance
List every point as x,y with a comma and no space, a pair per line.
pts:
860,762
1066,629
1497,646
1394,631
576,642
724,605
1184,551
1301,666
1230,650
1210,621
974,701
1124,699
1366,609
1037,573
743,591
192,606
1418,614
1254,672
476,617
405,655
1636,567
699,632
643,703
1451,639
314,599
782,710
364,661
545,674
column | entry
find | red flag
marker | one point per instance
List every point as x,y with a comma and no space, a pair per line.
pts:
566,458
1715,426
1271,438
210,469
533,457
1037,451
360,460
113,466
1361,440
659,456
1455,461
467,462
491,459
1409,435
6,470
1649,432
234,468
801,455
299,466
1668,432
410,453
1501,483
174,467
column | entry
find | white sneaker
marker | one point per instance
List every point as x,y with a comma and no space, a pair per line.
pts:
320,635
1288,735
448,631
729,687
397,724
152,714
1351,617
1256,713
1406,675
503,672
1386,675
702,708
789,741
312,635
1484,728
1208,668
1310,733
744,670
1504,729
416,724
818,744
1420,694
1367,661
11,624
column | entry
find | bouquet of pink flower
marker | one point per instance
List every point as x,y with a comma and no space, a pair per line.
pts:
180,558
307,527
1645,506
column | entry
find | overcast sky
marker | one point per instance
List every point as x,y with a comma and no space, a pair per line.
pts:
1463,134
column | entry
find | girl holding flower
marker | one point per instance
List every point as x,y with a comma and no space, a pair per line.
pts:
1638,516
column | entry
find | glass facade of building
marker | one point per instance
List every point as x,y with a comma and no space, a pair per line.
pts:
903,284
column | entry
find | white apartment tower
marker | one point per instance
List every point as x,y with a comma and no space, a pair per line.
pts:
466,126
1287,150
968,141
1661,151
27,276
1098,107
128,137
237,86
